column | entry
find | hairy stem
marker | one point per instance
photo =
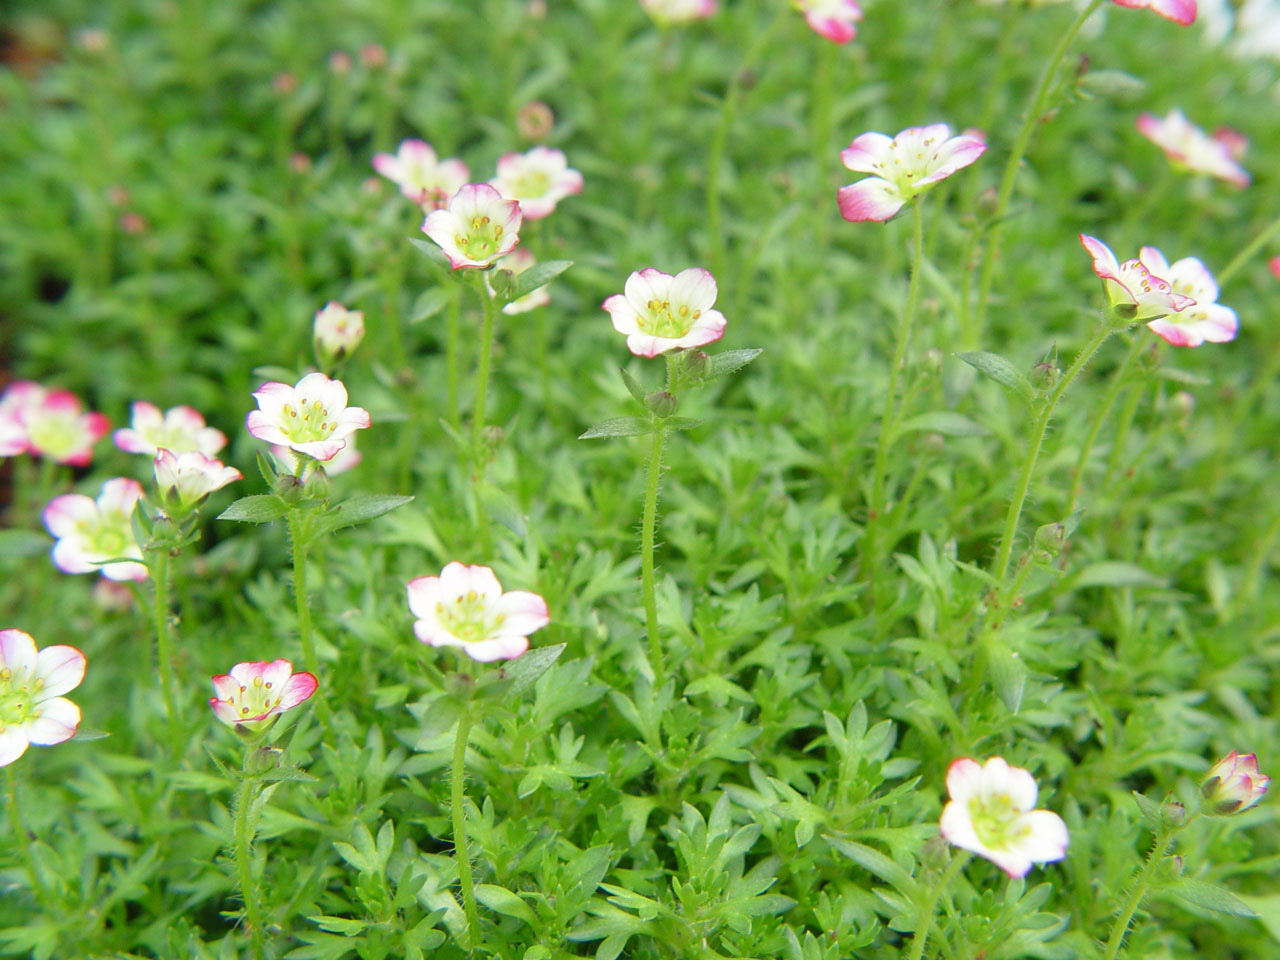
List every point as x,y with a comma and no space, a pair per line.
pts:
1164,839
457,800
452,346
888,422
244,861
482,371
164,648
930,905
1033,451
1035,109
299,547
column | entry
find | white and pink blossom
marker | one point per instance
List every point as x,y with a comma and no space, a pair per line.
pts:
1190,148
518,261
666,13
32,683
904,167
179,429
97,535
1204,320
1134,293
311,417
341,462
477,228
337,332
1179,11
253,694
837,20
420,175
1233,785
992,813
183,480
48,423
537,180
659,312
465,607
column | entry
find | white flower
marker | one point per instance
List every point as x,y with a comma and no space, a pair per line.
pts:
992,813
1205,319
32,708
337,332
905,166
477,228
668,12
1188,148
538,179
92,532
420,176
310,418
1134,292
465,607
254,693
180,429
659,312
183,480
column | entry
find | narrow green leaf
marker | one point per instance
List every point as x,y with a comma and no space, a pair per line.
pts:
429,303
633,387
361,508
1149,808
1115,573
730,361
539,275
524,672
259,508
503,509
432,252
877,864
1002,372
618,427
1210,896
946,422
23,543
681,423
503,901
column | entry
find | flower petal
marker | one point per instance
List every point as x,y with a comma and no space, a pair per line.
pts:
61,668
53,721
872,199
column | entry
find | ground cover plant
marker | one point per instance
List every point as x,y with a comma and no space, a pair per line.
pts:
670,479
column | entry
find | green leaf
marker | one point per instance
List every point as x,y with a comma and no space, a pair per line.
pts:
429,303
876,863
730,361
1115,573
84,734
1210,896
1111,84
1150,808
23,543
503,901
681,423
524,672
618,427
944,422
503,509
259,508
361,508
1007,672
539,275
1002,372
633,387
432,252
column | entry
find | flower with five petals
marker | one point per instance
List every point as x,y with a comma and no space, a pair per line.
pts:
253,694
1204,319
537,180
32,683
311,417
1190,148
179,429
477,227
905,166
1134,293
465,607
659,312
97,535
420,175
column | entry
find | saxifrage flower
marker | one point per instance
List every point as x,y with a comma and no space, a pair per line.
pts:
992,813
32,683
1179,11
1204,319
834,19
48,423
1134,293
311,417
465,607
183,480
904,167
92,532
477,228
420,175
1233,785
1190,148
179,429
337,331
659,312
667,13
253,694
538,180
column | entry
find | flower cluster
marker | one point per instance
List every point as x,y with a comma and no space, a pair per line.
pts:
48,423
32,683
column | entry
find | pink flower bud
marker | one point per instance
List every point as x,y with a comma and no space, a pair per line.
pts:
1233,785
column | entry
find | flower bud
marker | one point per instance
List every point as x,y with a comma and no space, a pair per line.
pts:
1174,813
1045,374
317,486
1233,785
935,853
288,488
1051,538
932,361
503,283
1121,315
661,403
373,56
340,62
535,120
337,333
696,364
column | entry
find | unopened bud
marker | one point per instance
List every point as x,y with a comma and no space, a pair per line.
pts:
535,120
317,486
337,333
696,364
284,83
299,162
936,853
1233,785
340,62
133,223
373,56
934,442
1045,374
988,201
1174,813
661,403
288,488
932,361
1184,405
536,9
1121,315
1051,538
503,283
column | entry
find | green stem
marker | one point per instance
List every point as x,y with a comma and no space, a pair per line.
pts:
164,648
299,546
23,841
394,280
1127,413
821,104
244,861
1252,247
453,346
482,371
457,799
1039,100
1164,839
888,421
1033,451
648,524
1100,417
930,905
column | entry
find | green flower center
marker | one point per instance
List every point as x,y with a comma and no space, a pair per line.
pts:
531,185
997,822
56,436
482,241
660,320
468,618
16,699
255,698
307,422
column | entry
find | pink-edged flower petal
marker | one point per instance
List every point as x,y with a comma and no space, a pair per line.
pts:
311,418
53,721
61,668
18,654
872,199
124,570
465,607
499,648
523,613
867,153
66,514
1182,12
13,744
298,688
120,495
